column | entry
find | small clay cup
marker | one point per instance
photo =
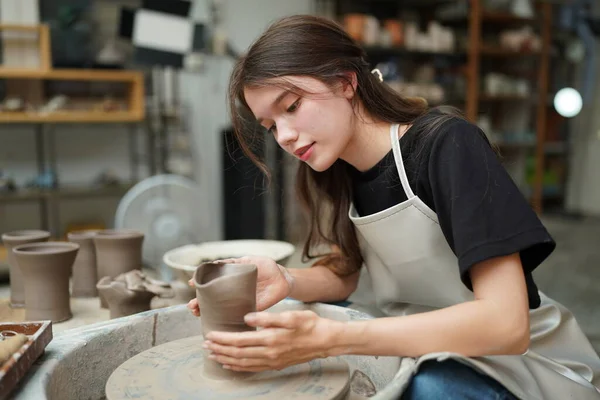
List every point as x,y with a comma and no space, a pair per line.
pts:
225,293
11,240
117,252
46,268
85,273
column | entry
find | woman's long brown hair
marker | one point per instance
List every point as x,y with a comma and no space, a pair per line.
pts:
319,48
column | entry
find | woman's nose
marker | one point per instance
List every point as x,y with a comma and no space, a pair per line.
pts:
286,135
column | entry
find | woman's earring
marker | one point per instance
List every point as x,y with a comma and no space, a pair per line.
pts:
377,72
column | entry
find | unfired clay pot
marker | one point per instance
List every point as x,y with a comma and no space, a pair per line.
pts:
225,293
46,268
131,292
85,274
117,252
122,301
12,239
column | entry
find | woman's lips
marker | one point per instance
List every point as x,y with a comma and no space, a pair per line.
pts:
304,153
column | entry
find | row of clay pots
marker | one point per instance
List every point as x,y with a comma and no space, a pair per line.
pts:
40,270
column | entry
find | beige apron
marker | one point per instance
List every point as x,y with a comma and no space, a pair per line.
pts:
410,268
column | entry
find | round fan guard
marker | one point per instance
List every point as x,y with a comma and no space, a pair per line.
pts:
165,208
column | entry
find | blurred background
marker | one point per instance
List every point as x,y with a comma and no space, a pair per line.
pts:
113,113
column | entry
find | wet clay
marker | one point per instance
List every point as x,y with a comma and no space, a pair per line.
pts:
11,240
131,293
225,293
117,252
362,385
175,370
85,274
46,269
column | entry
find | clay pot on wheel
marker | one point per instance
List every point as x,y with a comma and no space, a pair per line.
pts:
11,240
117,252
225,293
85,274
46,268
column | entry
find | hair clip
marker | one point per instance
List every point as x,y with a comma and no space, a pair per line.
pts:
377,72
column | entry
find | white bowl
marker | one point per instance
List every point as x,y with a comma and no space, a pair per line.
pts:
186,259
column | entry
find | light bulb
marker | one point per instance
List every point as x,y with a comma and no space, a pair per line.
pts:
568,102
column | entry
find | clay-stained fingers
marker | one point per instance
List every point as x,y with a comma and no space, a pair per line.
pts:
242,364
286,319
250,369
193,306
265,337
242,352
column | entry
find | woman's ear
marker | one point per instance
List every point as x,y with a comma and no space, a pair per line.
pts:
349,84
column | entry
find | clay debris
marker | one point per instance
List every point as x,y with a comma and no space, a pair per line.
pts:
137,281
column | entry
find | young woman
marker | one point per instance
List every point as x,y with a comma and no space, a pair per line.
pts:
419,200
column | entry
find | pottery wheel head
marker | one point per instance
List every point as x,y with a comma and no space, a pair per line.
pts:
174,371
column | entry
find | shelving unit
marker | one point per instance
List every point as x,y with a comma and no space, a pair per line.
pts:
130,110
135,98
48,198
476,50
470,61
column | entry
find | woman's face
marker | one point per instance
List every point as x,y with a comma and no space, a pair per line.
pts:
316,127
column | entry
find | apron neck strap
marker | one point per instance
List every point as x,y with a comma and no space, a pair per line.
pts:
399,162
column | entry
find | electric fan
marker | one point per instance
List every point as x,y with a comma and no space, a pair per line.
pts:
165,208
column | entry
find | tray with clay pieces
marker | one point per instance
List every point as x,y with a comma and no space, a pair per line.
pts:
21,343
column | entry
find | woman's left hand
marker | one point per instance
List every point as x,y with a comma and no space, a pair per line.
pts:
283,339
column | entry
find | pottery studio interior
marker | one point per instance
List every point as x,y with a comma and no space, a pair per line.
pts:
250,197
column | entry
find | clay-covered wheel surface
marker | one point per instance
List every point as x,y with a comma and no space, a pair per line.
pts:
173,371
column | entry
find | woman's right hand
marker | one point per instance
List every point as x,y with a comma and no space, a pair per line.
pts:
273,282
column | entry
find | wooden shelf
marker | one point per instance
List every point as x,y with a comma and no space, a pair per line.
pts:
43,41
401,51
503,52
135,97
71,74
410,3
70,117
503,97
493,18
65,192
506,18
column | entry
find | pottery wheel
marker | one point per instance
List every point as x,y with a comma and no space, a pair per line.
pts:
174,371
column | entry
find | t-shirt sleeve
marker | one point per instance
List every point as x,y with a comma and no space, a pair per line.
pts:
481,211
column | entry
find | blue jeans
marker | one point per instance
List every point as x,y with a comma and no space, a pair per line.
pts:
452,380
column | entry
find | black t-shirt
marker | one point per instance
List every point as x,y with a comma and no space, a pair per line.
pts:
454,170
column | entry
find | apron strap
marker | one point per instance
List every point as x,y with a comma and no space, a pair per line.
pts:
399,162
